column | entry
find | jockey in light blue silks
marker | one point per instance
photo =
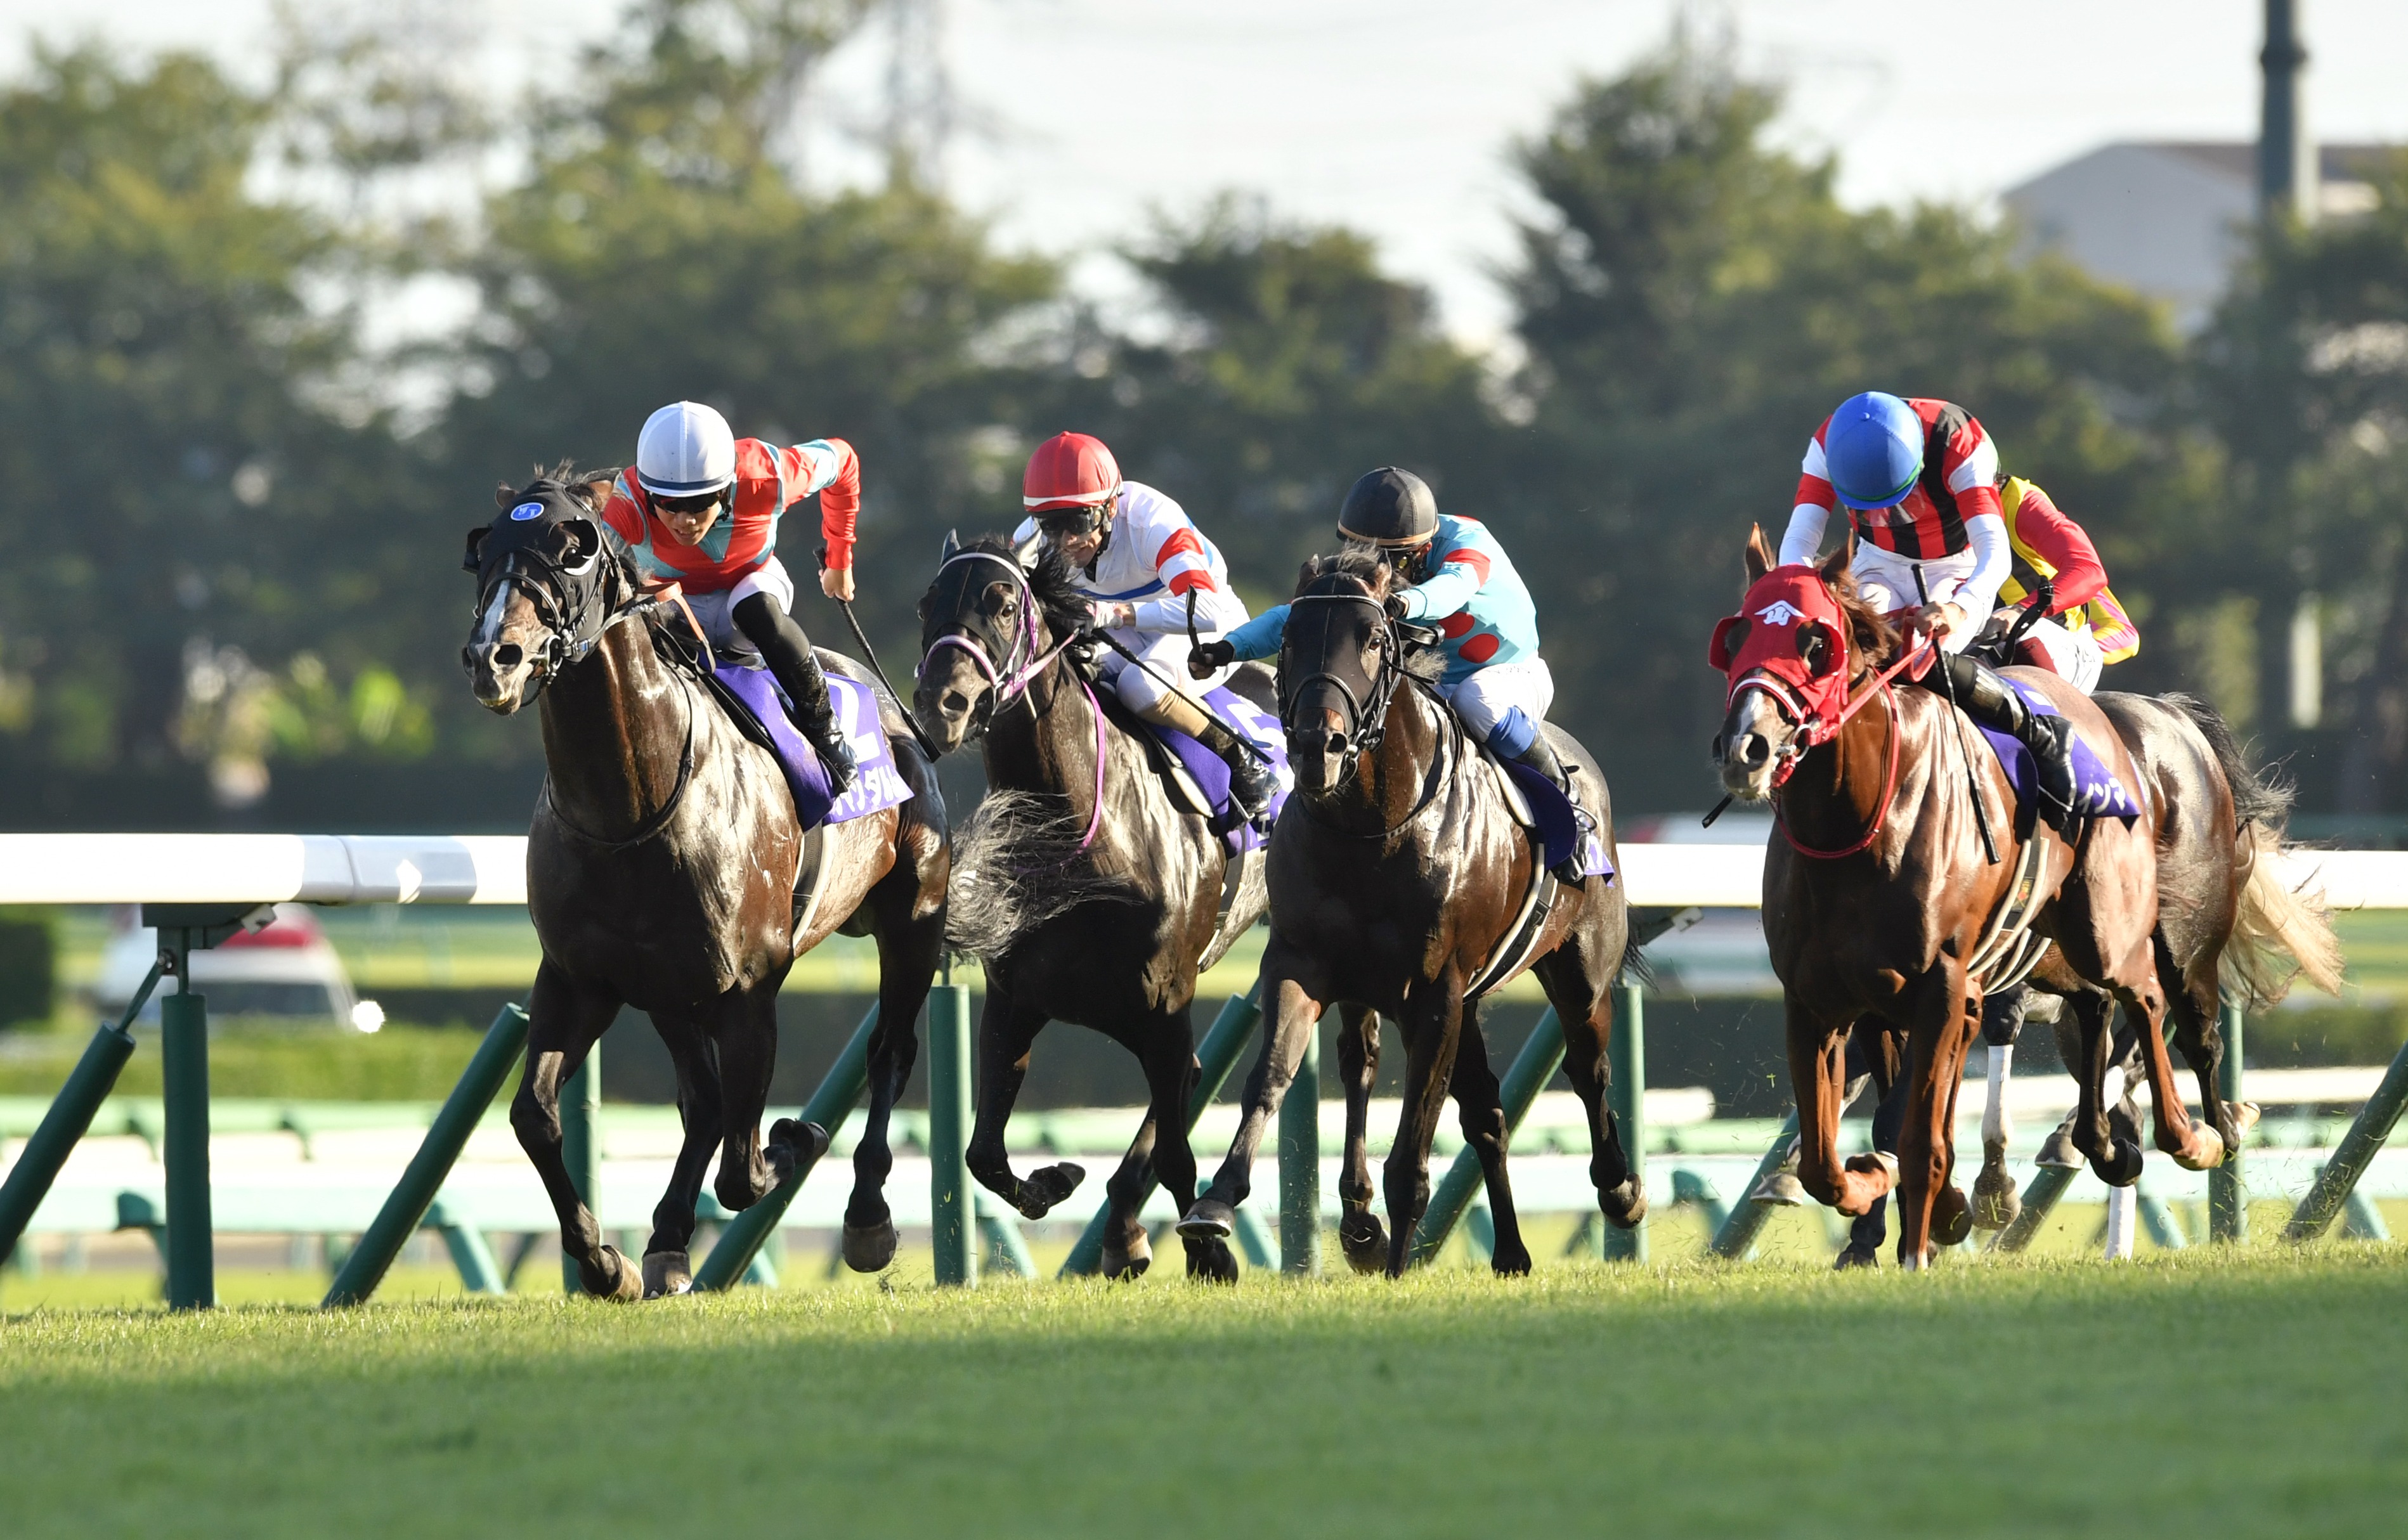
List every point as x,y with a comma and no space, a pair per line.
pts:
1461,581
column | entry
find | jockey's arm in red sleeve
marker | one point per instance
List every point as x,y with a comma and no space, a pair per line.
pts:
830,467
2063,545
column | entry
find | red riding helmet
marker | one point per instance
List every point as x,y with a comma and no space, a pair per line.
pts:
1069,470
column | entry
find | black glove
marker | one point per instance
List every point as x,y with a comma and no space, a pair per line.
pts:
1207,657
1395,606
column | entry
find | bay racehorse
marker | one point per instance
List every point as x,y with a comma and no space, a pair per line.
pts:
1091,895
1398,881
1880,898
665,870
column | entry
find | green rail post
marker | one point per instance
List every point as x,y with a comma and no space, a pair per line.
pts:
1299,1166
580,1150
184,1069
2039,1199
1747,1217
2338,1181
1626,1093
478,1273
1215,1057
951,1211
2228,1194
839,1091
405,1208
1541,1051
70,1115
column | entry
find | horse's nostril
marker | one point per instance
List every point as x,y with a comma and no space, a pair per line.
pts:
507,655
955,704
1756,748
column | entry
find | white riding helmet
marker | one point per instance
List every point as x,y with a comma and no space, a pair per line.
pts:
686,449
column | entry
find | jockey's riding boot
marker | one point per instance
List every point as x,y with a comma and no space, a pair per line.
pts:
797,669
1541,756
1989,700
1252,785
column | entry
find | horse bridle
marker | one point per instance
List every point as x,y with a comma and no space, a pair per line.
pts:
1367,716
567,638
1009,680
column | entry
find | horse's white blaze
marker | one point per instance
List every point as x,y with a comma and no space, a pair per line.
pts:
489,624
1998,1126
2123,1212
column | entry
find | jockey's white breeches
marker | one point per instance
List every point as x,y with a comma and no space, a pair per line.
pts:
1490,697
716,612
2073,653
1887,580
1166,655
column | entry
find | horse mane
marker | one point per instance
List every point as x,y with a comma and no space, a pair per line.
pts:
1870,636
1051,579
1363,562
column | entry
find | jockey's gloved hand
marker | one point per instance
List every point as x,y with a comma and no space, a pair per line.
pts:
1395,606
1208,658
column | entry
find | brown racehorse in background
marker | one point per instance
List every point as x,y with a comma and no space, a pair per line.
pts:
1879,892
662,869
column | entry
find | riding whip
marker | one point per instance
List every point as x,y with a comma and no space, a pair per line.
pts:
1113,642
927,747
1957,726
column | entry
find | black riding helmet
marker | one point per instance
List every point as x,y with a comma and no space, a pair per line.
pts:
1389,506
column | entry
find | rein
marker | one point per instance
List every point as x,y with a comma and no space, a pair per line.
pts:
1857,700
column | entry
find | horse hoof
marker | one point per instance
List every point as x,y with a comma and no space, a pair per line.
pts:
1782,1188
2244,1116
1854,1256
1364,1240
666,1273
2120,1166
1208,1220
1211,1260
1916,1261
613,1278
1511,1261
2058,1150
1625,1205
1995,1204
1046,1188
1128,1263
1952,1218
793,1146
2204,1152
869,1247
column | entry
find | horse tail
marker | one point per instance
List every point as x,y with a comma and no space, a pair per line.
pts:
1016,867
1636,969
2278,934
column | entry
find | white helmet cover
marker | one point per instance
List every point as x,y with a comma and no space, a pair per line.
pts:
685,449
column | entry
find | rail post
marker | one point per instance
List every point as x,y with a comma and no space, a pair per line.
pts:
69,1117
2039,1200
406,1207
2228,1194
1215,1057
1541,1052
2338,1181
840,1090
580,1103
1626,1093
1299,1166
184,1071
1747,1217
952,1213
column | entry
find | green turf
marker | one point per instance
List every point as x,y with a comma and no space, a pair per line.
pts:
2191,1391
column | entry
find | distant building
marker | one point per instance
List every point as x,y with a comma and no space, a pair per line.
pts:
2167,218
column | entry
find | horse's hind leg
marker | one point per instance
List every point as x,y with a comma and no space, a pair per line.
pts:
2192,999
1127,1252
2113,1159
1478,1102
909,942
1165,1046
668,1267
563,1021
1361,1234
1578,977
1995,1204
2196,1146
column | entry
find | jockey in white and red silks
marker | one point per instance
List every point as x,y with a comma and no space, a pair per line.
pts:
1144,564
1919,478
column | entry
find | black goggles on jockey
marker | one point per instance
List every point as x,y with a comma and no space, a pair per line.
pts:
1071,523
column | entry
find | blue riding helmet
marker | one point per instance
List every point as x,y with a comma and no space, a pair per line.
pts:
1875,450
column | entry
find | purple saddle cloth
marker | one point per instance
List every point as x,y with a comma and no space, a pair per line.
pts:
1558,826
2096,791
1258,727
877,785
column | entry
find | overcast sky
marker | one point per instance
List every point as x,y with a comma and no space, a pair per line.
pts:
1396,116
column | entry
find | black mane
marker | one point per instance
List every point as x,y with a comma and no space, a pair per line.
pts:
1365,564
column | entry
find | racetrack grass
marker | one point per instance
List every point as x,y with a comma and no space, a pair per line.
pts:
2257,1395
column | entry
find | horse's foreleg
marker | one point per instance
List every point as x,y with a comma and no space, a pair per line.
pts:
1165,1046
1430,1048
1478,1104
748,1056
1872,1051
1127,1251
667,1268
909,942
1289,1015
1936,1042
1359,1231
1818,1080
1005,1036
563,1021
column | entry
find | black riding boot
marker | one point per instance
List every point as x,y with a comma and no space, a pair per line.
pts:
1252,784
1992,702
1541,756
788,653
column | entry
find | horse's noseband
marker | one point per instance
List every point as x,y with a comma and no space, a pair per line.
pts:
1366,714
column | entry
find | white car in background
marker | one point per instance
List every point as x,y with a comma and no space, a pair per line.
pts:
285,969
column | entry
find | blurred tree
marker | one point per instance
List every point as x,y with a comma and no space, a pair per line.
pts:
1693,304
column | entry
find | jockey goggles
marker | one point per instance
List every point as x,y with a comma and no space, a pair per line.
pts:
1077,519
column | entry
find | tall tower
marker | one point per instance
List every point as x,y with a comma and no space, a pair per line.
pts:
2287,156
